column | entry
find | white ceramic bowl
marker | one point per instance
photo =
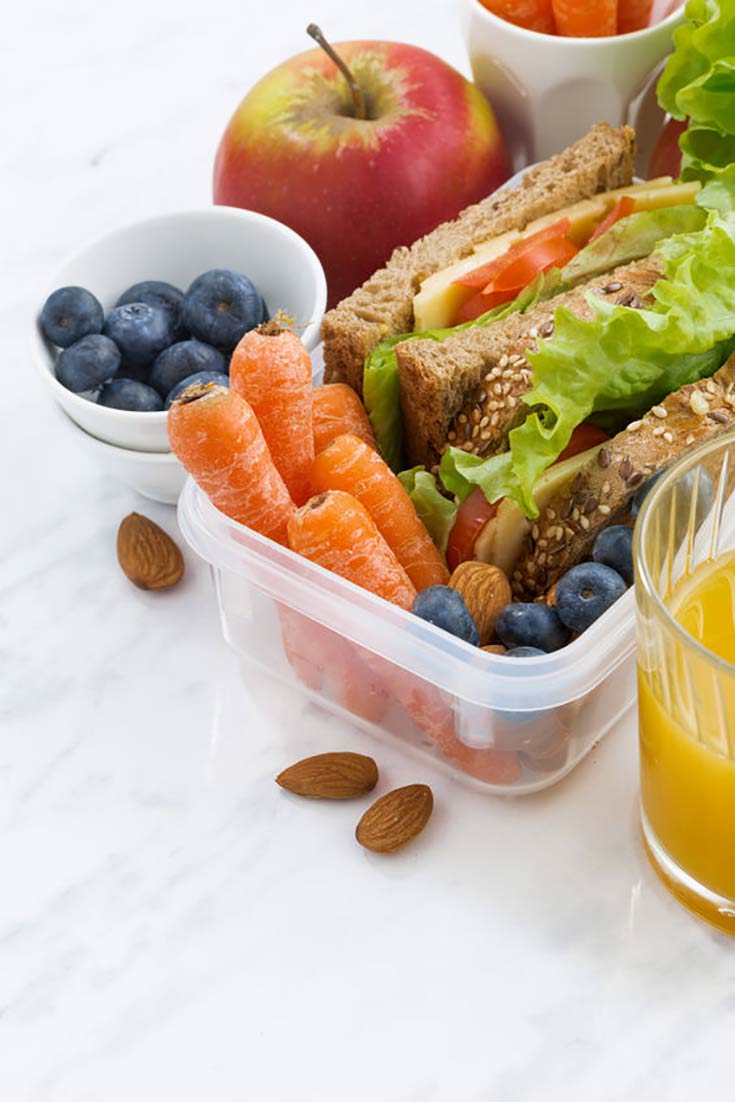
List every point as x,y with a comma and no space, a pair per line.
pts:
177,248
156,475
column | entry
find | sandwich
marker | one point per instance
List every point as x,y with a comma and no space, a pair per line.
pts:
552,349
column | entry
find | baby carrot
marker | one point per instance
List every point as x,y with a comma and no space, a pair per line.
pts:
331,666
337,409
534,15
633,15
351,465
336,531
216,435
271,369
433,713
586,18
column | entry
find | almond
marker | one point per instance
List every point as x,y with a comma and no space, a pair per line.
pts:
147,555
335,776
495,648
486,591
396,818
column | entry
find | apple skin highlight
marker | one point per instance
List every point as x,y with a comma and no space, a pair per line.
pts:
356,189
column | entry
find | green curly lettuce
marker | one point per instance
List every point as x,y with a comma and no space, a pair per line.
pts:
622,359
436,511
380,385
698,83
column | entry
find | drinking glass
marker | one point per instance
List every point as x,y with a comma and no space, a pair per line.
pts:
686,692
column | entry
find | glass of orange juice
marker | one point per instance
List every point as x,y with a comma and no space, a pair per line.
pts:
685,588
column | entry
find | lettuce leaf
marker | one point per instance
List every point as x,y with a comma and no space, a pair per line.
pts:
436,511
622,360
381,389
629,239
698,83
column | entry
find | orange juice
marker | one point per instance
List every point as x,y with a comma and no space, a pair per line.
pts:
687,738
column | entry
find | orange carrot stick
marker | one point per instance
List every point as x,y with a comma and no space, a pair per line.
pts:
337,532
271,369
351,465
433,713
534,15
633,15
216,435
330,665
586,18
337,409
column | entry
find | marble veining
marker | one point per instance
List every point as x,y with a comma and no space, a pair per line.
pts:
172,926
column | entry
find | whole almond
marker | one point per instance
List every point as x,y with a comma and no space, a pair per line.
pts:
147,555
486,592
396,818
495,648
335,776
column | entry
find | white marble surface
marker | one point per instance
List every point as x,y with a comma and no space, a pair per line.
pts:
172,926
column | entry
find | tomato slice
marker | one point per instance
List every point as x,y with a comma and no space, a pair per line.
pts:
479,304
517,273
524,268
584,437
480,277
475,511
623,207
472,516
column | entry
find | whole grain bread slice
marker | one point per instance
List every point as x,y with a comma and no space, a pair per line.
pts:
602,491
466,390
600,161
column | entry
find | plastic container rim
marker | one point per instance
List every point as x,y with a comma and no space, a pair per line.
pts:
559,677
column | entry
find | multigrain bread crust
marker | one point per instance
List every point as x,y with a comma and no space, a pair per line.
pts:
383,306
602,491
466,391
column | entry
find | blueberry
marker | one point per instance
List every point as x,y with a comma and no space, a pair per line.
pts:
614,547
221,306
70,314
443,606
643,493
585,592
182,360
88,364
531,625
199,377
705,494
140,332
153,292
130,394
523,652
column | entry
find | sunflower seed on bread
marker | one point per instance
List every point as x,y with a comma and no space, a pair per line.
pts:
465,391
600,161
602,491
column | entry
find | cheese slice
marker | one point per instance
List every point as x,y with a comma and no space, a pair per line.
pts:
439,298
501,540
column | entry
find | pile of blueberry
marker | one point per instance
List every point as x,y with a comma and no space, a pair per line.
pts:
529,629
155,342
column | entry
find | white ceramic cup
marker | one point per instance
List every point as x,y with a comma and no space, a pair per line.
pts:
547,91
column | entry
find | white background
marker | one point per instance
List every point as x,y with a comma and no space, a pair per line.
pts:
172,926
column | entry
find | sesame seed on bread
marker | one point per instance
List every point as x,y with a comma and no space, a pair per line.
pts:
602,491
465,391
600,161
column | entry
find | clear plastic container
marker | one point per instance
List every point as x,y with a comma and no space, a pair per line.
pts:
508,725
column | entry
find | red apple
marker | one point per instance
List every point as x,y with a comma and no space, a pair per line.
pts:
666,159
356,188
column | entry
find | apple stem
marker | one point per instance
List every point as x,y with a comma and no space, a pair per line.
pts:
357,96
